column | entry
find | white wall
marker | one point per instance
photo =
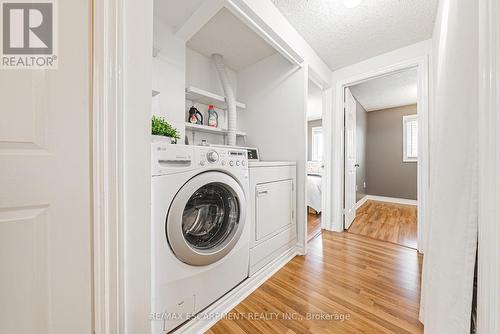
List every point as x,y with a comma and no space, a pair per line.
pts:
452,230
175,68
201,73
314,102
169,75
274,91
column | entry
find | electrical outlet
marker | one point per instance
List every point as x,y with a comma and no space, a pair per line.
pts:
364,185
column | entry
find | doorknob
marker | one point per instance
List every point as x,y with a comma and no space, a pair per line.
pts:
356,165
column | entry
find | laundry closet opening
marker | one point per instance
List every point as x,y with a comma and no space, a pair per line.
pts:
237,100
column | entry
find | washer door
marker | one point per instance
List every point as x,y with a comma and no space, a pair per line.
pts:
206,218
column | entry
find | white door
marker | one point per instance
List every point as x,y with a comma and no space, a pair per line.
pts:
350,159
273,207
45,224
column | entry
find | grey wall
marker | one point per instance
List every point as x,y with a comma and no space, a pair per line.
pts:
310,125
386,173
361,127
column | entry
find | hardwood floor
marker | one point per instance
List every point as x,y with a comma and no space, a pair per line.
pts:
365,285
313,225
396,223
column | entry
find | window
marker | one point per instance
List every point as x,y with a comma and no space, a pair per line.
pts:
410,138
317,144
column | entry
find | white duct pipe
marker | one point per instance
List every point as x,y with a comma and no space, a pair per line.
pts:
230,98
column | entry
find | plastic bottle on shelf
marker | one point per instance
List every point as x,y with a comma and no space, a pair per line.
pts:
213,118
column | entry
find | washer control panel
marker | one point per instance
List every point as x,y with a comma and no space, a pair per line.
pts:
224,157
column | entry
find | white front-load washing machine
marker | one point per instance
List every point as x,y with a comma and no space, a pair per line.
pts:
200,235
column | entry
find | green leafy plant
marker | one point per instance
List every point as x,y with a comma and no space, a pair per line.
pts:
160,127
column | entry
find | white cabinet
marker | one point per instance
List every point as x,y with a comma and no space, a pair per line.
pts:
272,211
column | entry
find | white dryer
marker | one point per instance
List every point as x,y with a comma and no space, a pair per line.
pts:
200,235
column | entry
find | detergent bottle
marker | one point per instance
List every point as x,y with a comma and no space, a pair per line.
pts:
213,118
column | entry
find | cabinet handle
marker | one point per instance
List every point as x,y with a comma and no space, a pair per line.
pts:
262,193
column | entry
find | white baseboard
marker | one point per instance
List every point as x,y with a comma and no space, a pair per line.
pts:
217,310
361,201
386,199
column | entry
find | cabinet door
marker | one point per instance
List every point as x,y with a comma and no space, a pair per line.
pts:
273,207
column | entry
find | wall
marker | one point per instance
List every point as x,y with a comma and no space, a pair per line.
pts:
361,130
168,76
450,251
201,73
274,91
175,68
310,125
386,173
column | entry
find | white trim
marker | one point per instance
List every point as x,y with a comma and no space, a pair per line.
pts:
327,105
107,171
395,200
489,165
422,64
361,201
236,296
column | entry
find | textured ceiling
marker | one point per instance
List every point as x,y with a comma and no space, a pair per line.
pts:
395,90
343,36
227,35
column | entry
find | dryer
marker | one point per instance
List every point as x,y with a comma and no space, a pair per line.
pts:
200,235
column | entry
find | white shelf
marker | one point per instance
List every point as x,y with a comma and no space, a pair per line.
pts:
209,129
202,96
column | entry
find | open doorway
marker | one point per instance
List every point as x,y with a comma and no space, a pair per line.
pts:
381,158
315,167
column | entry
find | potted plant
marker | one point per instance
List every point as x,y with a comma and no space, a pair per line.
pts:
161,130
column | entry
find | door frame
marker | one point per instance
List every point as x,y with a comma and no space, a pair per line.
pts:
488,294
107,153
326,105
422,65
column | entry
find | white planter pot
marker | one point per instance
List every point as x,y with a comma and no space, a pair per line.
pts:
162,139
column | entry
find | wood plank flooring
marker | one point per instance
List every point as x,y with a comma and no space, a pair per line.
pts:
346,284
396,223
313,225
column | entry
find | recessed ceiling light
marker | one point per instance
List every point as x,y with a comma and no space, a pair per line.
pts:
351,3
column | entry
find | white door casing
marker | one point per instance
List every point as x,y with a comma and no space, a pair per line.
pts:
45,224
350,159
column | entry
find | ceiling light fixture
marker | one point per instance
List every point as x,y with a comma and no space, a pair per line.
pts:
351,3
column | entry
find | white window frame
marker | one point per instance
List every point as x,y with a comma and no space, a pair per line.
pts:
406,119
314,150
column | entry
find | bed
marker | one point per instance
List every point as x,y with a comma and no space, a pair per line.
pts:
314,181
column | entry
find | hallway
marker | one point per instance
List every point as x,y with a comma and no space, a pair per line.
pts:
364,285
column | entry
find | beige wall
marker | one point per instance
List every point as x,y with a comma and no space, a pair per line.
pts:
386,173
